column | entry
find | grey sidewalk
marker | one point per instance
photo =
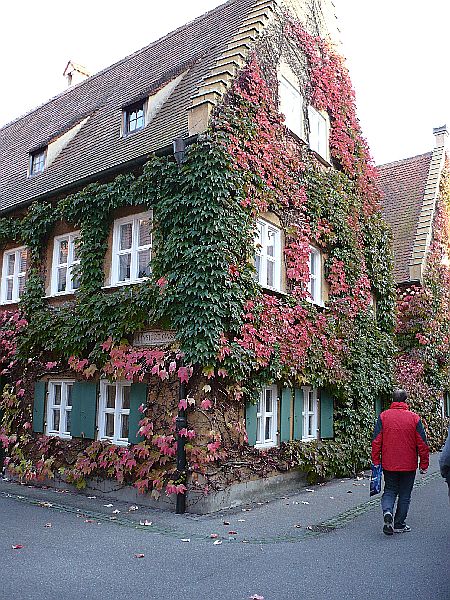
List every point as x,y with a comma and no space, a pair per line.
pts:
310,511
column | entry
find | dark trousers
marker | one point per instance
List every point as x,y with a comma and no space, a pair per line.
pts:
397,484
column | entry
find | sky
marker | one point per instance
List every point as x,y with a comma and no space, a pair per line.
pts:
397,54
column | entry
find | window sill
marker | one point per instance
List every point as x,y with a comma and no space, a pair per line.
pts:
264,446
61,436
114,442
60,294
9,302
119,284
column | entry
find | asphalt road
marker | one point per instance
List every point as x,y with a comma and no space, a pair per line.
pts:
84,556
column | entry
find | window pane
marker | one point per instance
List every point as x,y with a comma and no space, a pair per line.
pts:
270,273
75,249
11,263
124,427
57,394
312,263
56,416
68,421
125,235
268,430
126,396
144,263
258,407
75,279
311,425
69,395
269,401
63,252
270,243
109,425
62,276
258,429
124,267
9,289
110,396
144,232
258,266
21,285
23,261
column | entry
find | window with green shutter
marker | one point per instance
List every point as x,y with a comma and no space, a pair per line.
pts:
84,410
326,415
250,422
138,397
39,406
298,414
285,415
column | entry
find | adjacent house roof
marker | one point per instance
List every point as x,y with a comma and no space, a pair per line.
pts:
204,55
410,191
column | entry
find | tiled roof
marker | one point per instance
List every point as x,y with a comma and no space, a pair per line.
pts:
192,49
403,184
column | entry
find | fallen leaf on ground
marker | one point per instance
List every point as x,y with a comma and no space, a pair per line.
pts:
245,542
331,497
185,539
92,497
116,511
146,523
89,521
308,490
304,502
256,597
46,504
213,536
133,508
241,520
232,533
217,542
108,505
226,522
17,546
48,525
349,492
139,555
297,525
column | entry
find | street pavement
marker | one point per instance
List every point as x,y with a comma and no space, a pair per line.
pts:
324,542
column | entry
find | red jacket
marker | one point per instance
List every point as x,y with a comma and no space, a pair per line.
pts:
399,439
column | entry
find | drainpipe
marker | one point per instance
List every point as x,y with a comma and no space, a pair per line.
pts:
181,423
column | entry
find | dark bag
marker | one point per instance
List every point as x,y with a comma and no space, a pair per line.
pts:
375,480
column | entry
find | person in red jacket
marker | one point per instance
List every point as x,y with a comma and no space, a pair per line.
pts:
398,440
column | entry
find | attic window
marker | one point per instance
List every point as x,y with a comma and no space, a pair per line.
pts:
134,117
37,161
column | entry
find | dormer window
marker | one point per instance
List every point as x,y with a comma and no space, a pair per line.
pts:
134,117
291,106
37,161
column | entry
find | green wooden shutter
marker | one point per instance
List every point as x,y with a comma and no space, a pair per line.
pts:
250,422
285,414
84,409
39,407
326,414
378,406
447,398
298,414
138,396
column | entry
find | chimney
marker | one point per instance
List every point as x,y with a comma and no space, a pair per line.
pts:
75,73
441,135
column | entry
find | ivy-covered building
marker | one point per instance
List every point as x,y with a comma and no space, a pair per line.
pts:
194,258
415,204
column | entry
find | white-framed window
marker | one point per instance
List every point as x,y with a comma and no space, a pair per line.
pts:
114,411
266,417
132,248
134,117
65,258
310,413
319,126
59,408
14,274
37,161
268,255
291,106
315,276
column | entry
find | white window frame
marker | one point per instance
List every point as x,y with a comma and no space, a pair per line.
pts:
316,291
291,106
133,251
71,238
262,415
63,407
319,132
263,230
310,433
117,411
15,277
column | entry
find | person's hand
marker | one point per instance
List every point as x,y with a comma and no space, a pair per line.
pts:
423,471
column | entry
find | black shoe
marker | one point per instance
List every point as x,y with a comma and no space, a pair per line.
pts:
404,529
388,527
